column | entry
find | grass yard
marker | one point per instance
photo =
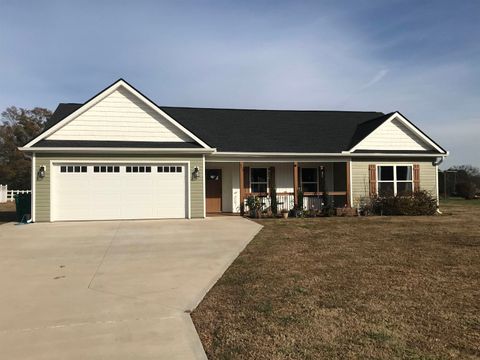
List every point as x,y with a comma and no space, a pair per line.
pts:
7,212
351,288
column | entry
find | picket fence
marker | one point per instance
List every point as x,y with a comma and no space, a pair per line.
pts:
9,195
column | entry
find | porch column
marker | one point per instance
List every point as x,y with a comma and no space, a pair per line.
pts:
348,188
295,183
242,188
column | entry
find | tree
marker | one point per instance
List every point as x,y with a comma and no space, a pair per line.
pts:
467,180
18,126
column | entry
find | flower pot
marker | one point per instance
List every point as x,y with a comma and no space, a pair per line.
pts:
285,215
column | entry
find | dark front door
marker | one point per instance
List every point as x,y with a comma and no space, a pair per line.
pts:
213,190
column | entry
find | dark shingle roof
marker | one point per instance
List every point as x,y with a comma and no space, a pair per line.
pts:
60,113
272,130
365,128
237,130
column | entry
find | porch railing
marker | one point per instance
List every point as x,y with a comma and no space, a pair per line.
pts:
286,201
310,201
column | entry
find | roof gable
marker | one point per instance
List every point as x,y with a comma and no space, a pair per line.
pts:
393,132
120,116
118,113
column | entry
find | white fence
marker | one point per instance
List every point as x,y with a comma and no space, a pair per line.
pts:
9,195
3,193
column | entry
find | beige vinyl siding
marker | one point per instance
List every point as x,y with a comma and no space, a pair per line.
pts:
121,116
360,178
42,192
393,135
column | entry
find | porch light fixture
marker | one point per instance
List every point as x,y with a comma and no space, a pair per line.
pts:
196,172
42,171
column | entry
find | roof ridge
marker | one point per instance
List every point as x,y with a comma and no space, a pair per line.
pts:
278,110
379,117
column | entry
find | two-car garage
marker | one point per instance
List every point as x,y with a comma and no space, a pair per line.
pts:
108,191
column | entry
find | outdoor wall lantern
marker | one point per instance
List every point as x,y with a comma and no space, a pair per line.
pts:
42,171
196,172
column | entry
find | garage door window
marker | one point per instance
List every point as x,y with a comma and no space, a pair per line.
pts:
73,169
169,169
106,169
138,169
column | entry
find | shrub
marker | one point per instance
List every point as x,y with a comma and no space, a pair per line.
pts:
255,205
419,203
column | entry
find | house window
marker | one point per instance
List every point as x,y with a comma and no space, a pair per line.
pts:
394,179
309,179
259,180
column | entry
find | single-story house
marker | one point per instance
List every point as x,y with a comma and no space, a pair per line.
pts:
121,156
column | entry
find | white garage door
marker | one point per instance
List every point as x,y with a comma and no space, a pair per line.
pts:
118,191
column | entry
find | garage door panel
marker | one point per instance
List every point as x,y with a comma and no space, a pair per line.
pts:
132,192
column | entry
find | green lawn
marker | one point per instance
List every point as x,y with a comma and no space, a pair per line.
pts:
351,288
460,202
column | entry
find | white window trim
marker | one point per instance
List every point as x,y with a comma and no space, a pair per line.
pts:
394,176
259,182
309,182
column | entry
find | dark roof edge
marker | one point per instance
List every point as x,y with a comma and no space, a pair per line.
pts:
421,132
279,110
381,119
113,144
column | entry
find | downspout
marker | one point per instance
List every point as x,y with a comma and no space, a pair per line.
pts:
437,162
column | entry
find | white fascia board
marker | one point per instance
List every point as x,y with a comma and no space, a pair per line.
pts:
89,104
419,133
409,125
116,150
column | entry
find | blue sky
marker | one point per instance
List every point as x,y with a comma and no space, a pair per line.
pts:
419,57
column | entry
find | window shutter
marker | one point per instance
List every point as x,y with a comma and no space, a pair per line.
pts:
246,179
416,177
372,170
271,178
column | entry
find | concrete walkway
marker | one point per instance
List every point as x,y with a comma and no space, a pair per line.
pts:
111,290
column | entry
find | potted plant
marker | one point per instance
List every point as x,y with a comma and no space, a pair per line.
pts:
285,213
254,206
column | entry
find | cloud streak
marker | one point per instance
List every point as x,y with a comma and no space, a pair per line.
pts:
378,76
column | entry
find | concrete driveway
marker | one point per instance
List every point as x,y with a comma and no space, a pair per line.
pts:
111,290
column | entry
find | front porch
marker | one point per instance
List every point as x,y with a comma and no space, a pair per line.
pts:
229,184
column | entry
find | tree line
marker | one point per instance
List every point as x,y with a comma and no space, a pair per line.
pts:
18,126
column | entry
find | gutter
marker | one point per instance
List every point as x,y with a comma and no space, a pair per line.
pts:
342,154
438,161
